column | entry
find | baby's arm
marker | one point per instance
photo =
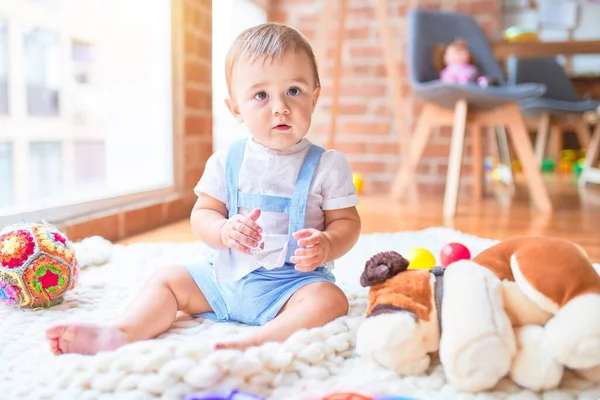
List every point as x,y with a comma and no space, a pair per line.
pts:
342,228
210,224
208,217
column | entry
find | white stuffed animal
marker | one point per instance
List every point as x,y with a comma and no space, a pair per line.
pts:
527,308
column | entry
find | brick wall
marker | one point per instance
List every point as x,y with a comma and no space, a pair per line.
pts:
367,132
192,107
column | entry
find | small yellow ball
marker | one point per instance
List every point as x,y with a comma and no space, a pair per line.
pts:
420,259
358,182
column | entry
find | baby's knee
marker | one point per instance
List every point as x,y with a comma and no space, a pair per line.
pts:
334,300
172,276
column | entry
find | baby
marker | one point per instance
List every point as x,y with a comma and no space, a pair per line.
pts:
276,208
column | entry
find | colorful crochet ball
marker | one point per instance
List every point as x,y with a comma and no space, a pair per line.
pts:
37,266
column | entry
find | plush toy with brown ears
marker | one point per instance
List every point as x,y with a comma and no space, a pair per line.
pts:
527,308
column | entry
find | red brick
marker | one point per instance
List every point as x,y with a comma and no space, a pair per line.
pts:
192,177
357,33
351,147
375,167
436,150
366,51
142,219
366,128
385,148
361,13
277,16
349,109
364,90
480,7
198,125
197,72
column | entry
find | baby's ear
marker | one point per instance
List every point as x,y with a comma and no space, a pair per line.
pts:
234,109
316,94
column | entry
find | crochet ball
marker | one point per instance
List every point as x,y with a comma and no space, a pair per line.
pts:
37,266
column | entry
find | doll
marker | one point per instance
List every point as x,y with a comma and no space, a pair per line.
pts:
457,65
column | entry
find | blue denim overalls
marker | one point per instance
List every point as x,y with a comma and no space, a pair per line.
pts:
253,294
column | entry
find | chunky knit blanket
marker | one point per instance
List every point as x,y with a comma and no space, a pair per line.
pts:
309,365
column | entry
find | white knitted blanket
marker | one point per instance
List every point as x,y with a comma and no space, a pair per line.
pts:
310,364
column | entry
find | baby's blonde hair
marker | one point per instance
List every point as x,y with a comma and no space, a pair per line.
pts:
269,41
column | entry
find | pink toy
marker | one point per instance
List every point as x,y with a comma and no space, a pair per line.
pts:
453,252
457,65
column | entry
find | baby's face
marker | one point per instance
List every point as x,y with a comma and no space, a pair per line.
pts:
275,99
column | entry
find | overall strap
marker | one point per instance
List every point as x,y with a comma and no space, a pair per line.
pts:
300,196
232,173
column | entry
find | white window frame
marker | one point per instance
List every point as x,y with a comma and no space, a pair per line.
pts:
14,126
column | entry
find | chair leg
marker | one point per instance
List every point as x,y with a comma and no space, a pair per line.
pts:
492,142
582,131
505,153
556,139
524,150
591,155
406,173
455,159
477,159
541,139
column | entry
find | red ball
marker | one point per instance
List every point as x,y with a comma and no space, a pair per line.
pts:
453,252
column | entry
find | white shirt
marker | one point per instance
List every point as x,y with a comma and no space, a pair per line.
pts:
274,172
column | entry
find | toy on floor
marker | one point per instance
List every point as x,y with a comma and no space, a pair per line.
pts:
359,183
358,396
420,258
548,165
37,265
224,394
526,308
453,252
456,64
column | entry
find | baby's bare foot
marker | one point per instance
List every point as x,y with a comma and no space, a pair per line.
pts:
84,338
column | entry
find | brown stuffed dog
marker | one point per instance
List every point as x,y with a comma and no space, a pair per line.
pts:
527,307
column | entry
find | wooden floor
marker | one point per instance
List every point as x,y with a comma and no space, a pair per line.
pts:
576,216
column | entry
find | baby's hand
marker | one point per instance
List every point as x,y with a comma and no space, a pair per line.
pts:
242,233
315,247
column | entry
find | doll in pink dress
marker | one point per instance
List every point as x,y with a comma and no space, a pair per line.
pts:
458,66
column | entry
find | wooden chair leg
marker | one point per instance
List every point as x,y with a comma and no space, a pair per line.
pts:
582,131
406,173
591,155
524,150
455,159
505,153
477,160
492,142
541,139
556,140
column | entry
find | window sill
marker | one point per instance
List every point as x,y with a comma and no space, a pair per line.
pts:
120,222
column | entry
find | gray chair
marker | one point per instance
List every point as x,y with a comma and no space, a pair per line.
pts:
559,108
464,106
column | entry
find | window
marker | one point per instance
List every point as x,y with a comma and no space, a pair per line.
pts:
45,169
42,71
3,69
90,163
230,17
6,175
85,106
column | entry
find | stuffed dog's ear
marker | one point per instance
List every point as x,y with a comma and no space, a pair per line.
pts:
381,267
